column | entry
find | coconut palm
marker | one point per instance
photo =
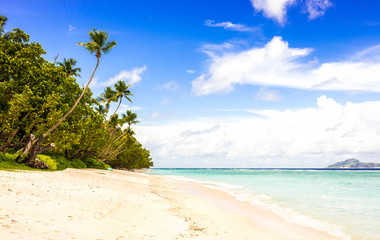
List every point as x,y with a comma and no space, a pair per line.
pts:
3,22
122,91
130,118
100,109
107,97
97,45
68,67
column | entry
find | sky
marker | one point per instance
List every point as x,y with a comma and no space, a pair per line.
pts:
243,83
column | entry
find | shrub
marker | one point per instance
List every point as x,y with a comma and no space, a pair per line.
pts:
48,160
76,163
7,157
93,163
62,162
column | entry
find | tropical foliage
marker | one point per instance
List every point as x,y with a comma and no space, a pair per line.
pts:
46,115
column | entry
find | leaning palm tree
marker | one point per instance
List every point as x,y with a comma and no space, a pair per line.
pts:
130,118
68,67
122,91
100,109
97,45
107,97
3,22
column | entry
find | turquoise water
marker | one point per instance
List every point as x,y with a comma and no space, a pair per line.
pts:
343,203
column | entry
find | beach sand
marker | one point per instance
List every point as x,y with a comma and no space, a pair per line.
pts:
98,204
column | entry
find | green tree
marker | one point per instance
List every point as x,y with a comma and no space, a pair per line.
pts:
133,157
3,22
130,118
122,91
97,45
68,67
34,94
107,97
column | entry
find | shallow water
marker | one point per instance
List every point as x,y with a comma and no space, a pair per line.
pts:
343,203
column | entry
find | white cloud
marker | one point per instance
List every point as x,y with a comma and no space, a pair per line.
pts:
275,9
276,64
317,8
170,86
165,101
122,109
230,26
71,29
94,82
306,137
154,114
130,77
268,95
190,71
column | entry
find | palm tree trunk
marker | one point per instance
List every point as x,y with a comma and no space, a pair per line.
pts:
75,104
113,141
36,149
114,112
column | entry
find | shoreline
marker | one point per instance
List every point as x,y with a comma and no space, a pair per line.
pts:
100,204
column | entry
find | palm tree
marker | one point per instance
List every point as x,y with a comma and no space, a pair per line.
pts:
100,109
122,91
3,22
107,97
97,45
68,67
130,118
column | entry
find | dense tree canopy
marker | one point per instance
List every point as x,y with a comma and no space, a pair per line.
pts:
35,95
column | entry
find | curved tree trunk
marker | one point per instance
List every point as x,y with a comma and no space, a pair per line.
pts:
114,112
75,104
36,148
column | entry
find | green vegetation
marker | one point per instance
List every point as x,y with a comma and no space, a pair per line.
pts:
45,115
354,163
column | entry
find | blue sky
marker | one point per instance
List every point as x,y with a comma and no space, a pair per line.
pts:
248,83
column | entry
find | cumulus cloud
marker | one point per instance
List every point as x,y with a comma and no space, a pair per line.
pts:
268,95
276,64
230,26
277,9
306,137
317,8
130,77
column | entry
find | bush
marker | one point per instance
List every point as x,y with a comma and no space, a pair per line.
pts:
7,162
76,163
62,162
48,160
7,157
93,163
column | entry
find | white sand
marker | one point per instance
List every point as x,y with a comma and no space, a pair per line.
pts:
97,204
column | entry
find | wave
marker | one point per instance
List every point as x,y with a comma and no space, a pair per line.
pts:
264,201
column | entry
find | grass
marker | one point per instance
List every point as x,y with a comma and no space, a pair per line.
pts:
16,166
56,162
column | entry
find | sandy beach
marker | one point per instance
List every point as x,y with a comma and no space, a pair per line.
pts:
97,204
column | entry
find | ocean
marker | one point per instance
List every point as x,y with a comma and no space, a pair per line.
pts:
344,203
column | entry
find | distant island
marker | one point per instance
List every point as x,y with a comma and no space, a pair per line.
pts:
354,163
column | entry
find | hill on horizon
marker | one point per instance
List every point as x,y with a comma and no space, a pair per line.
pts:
354,163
